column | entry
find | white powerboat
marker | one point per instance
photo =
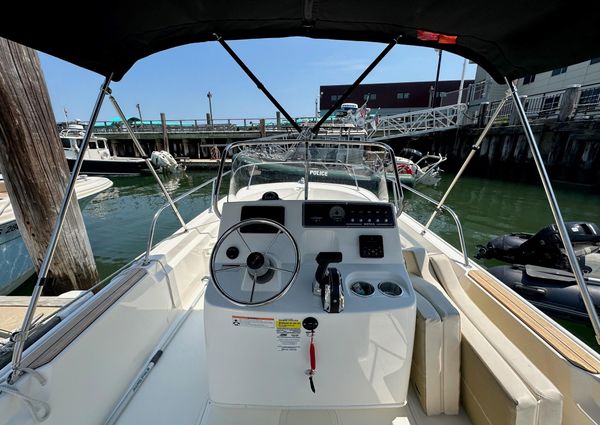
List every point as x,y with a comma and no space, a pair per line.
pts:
98,159
15,263
293,301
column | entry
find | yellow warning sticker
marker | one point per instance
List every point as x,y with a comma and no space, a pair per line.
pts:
287,324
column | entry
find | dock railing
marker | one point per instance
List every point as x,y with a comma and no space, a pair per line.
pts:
548,105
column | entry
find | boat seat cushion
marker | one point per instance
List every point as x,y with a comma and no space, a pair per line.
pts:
443,355
426,368
547,397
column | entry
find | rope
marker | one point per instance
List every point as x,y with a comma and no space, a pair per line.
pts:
39,410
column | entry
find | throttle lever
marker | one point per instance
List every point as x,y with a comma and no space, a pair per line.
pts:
323,260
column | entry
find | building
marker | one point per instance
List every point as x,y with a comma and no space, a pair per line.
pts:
395,98
550,83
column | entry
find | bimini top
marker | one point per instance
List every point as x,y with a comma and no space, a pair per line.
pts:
508,38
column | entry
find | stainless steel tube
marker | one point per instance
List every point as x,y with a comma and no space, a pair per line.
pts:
147,160
560,223
21,337
469,157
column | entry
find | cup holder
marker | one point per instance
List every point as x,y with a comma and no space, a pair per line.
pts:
391,289
362,289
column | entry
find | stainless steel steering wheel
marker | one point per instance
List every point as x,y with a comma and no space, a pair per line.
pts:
251,277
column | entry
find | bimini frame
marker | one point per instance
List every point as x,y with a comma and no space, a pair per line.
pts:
539,163
20,337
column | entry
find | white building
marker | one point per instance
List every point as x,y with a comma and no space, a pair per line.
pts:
544,91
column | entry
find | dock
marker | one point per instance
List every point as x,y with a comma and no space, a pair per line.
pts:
13,309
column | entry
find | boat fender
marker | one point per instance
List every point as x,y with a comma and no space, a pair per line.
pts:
104,155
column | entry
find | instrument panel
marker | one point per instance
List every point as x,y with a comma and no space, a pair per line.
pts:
347,214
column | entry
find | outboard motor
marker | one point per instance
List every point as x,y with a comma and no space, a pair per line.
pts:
328,282
545,248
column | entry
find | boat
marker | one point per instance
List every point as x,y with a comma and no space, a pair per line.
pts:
98,159
15,263
540,270
335,164
425,168
293,301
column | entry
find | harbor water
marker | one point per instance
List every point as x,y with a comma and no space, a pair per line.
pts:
118,220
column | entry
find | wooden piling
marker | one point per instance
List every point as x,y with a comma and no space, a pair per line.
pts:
163,120
35,170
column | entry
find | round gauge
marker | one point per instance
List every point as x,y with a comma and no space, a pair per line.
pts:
363,289
337,213
391,289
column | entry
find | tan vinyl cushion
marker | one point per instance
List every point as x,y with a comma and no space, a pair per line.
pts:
491,392
549,398
426,368
448,350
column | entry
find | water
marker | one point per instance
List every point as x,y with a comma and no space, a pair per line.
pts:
488,208
118,219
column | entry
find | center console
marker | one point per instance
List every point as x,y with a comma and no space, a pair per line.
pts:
347,322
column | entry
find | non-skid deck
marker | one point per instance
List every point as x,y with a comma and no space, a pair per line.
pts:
176,392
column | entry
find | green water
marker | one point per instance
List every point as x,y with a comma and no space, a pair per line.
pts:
488,208
118,219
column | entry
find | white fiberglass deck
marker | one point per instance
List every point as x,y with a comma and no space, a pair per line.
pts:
176,392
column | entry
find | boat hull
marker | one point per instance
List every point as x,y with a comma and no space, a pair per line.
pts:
112,166
15,263
558,297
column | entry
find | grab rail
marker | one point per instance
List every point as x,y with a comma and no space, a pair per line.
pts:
461,236
167,205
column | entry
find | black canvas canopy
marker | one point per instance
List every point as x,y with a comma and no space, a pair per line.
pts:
508,38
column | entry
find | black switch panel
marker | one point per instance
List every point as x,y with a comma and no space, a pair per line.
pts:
371,246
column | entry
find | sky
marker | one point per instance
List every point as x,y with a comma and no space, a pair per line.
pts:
177,81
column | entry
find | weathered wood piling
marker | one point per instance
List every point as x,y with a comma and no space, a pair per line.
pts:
35,170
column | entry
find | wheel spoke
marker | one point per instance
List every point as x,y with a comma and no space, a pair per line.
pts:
243,240
228,267
253,286
280,269
273,241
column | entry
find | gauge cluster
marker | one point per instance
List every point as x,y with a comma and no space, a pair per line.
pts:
348,214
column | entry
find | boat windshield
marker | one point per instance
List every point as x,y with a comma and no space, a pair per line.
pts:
66,143
358,166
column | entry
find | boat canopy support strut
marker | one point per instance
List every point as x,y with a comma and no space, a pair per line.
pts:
560,223
21,336
140,149
258,83
474,150
349,90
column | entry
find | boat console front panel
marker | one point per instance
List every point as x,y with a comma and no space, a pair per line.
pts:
340,336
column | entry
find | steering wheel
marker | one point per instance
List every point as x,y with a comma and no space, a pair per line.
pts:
249,275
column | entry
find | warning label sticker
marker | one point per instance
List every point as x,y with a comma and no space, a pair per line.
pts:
288,333
253,322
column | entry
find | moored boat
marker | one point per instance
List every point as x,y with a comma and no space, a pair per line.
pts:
98,159
15,263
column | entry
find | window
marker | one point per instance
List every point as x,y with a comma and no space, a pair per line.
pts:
441,94
335,97
371,96
66,143
528,79
92,145
402,95
595,60
559,71
101,144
